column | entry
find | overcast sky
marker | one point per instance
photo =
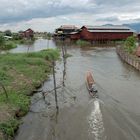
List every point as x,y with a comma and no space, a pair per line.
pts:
46,15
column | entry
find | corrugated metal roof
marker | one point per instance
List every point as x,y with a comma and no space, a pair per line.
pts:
112,31
115,27
68,27
74,32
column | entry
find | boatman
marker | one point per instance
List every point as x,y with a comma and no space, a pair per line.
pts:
93,88
91,82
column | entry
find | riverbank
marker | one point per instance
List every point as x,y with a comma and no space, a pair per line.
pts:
25,41
8,45
131,59
20,74
13,43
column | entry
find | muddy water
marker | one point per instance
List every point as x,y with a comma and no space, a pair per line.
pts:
113,115
40,44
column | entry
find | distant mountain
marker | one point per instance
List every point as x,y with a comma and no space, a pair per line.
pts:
108,25
134,26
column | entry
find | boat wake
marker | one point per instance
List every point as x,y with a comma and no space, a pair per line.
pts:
96,129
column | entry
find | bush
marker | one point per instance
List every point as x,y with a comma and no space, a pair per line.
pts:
52,54
16,36
26,41
45,54
8,33
2,41
83,43
6,45
21,41
17,100
9,45
130,44
9,127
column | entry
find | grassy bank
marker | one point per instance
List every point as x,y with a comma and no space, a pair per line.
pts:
24,41
7,44
83,43
20,74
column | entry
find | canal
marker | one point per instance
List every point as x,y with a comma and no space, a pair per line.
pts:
113,115
38,45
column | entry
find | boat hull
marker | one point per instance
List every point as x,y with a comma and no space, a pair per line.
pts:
89,82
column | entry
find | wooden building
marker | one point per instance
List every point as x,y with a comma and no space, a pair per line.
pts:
64,31
102,33
29,33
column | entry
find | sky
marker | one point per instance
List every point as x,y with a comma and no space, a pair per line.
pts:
46,15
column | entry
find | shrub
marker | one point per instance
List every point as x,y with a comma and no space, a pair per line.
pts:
17,100
82,43
21,41
6,45
2,41
52,54
130,44
9,127
9,45
16,36
8,33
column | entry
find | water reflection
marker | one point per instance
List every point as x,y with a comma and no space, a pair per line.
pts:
40,44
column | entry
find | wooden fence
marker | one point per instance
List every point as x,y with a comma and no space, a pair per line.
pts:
128,58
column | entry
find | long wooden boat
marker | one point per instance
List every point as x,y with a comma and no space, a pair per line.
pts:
91,84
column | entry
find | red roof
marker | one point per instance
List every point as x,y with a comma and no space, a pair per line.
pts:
29,30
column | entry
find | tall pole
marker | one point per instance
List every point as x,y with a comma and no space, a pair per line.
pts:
54,80
64,62
48,43
28,49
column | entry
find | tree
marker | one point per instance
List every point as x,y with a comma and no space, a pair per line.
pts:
130,44
16,36
49,36
8,33
2,40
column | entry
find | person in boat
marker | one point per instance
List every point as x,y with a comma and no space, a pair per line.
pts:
91,82
93,88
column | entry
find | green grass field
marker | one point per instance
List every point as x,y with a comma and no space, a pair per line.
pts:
20,74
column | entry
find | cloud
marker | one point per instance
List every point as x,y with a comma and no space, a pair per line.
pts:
17,10
109,19
39,14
